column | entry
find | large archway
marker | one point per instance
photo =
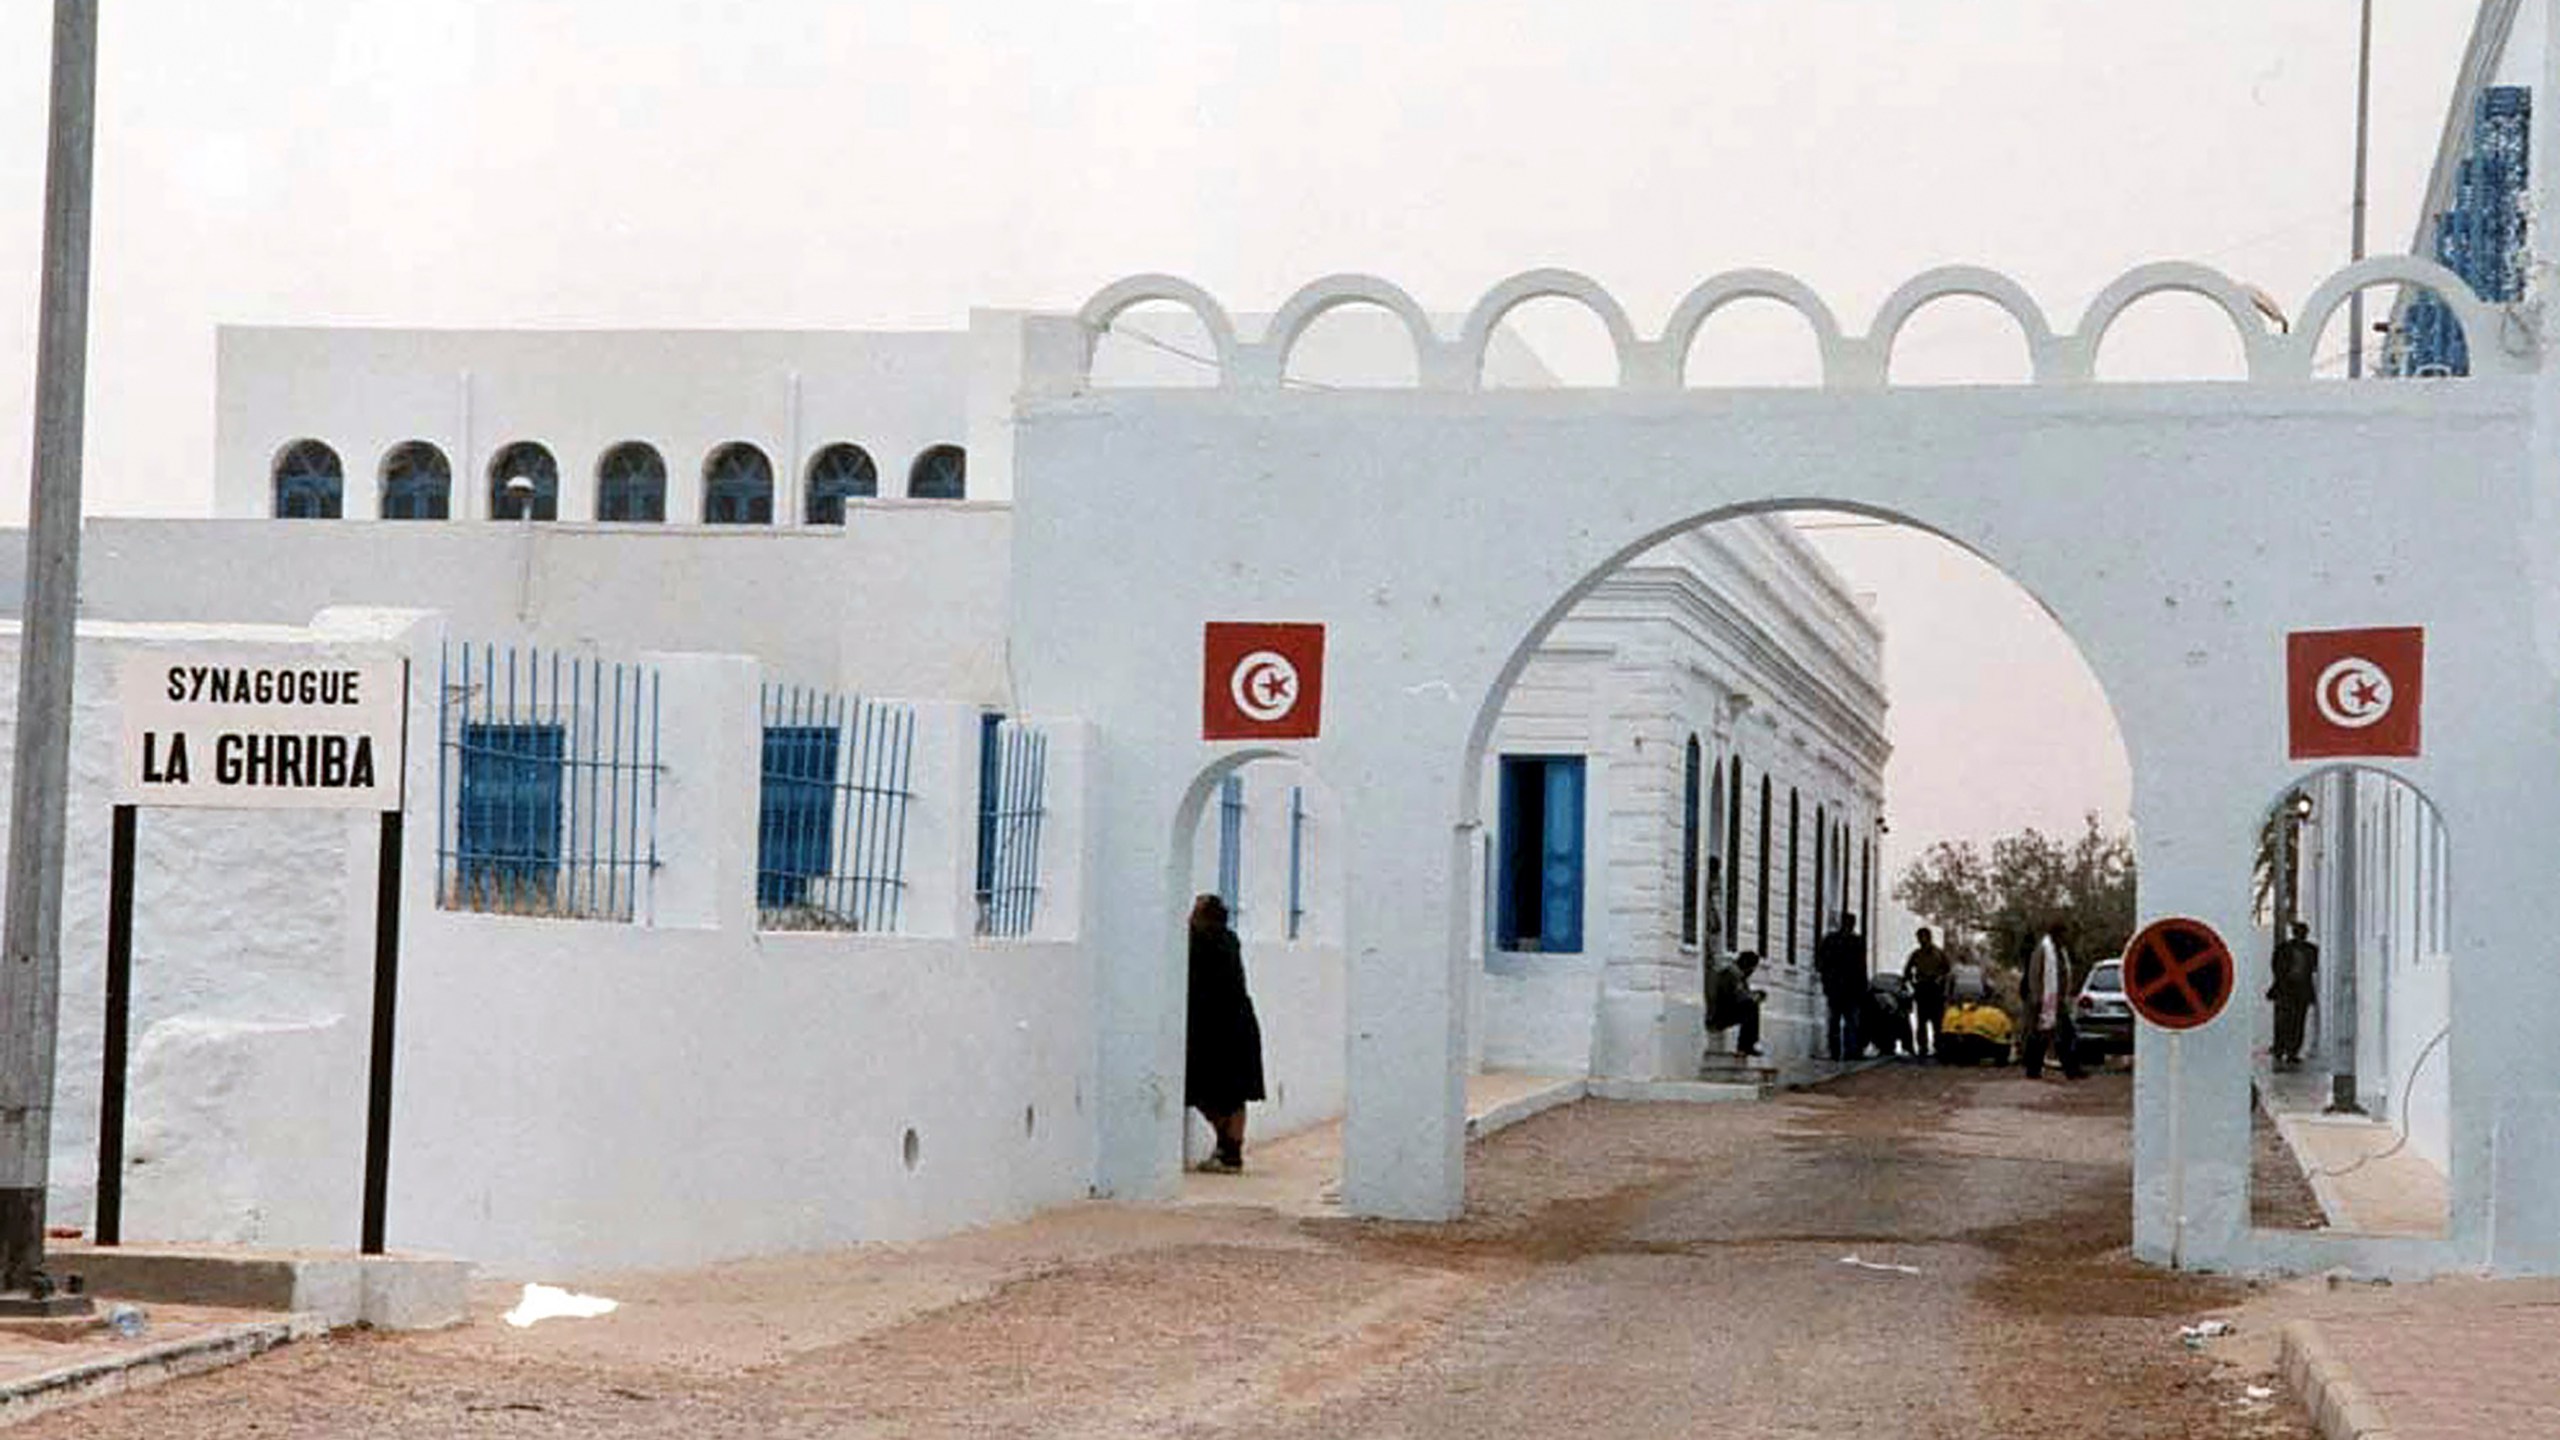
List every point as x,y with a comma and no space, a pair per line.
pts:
2163,525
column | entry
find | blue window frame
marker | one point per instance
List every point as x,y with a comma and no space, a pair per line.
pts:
838,473
508,816
940,473
527,460
1231,846
737,486
310,484
417,482
795,820
1297,859
1539,884
631,484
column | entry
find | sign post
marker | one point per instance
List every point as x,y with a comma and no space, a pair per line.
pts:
2178,975
241,729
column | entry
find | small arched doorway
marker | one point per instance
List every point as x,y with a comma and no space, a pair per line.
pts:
2351,1114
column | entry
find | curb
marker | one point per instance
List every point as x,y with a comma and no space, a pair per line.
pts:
148,1365
2339,1405
1512,1112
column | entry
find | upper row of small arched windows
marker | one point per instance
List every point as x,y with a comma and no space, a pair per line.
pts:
309,482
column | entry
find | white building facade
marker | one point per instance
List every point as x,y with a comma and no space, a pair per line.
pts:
799,960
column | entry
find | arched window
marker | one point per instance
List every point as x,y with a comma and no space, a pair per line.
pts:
309,482
417,482
737,486
1733,869
631,484
1795,839
838,473
524,460
1867,897
1689,786
940,473
1764,868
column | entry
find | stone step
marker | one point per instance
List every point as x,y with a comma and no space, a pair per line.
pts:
1724,1071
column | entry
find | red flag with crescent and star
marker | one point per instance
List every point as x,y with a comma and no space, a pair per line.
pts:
1261,681
2354,692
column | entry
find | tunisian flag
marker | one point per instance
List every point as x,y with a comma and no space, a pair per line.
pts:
2354,692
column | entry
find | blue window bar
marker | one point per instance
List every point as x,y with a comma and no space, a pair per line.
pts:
1013,777
1297,859
831,831
547,771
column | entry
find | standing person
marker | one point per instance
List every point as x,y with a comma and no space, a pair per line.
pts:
2296,972
1222,1046
1840,963
2046,989
1732,1003
1926,972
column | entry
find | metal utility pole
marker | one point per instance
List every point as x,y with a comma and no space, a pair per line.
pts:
2355,242
31,948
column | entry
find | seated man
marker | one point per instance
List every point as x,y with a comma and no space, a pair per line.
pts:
1732,1003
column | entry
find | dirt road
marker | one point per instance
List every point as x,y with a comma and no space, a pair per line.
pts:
1624,1270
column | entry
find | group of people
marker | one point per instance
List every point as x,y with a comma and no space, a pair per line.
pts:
1931,976
1839,962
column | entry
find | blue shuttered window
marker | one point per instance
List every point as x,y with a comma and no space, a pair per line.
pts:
1013,769
509,814
795,818
1539,885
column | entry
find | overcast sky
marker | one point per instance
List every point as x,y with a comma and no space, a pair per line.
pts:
823,163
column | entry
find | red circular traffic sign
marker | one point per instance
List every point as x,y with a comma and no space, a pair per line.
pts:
2177,973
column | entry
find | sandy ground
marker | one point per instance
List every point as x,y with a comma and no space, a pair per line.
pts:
1624,1270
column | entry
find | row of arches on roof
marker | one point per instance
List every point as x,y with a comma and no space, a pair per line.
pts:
2275,345
415,482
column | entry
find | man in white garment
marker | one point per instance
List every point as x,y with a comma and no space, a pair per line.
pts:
2046,989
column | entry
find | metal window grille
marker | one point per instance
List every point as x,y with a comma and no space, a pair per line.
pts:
417,482
309,482
2482,238
1013,777
1231,847
831,828
547,773
1297,859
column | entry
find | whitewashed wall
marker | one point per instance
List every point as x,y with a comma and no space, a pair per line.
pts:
908,599
573,1094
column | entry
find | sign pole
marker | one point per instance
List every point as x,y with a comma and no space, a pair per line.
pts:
31,950
386,999
109,1226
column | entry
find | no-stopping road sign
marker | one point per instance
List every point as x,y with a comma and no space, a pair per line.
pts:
2177,973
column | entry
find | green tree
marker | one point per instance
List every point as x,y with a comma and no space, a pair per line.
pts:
1994,906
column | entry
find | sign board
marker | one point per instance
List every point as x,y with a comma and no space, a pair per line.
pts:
2178,974
2354,692
261,729
1261,681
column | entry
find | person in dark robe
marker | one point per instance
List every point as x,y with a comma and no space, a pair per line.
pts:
1840,963
1222,1049
2296,972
